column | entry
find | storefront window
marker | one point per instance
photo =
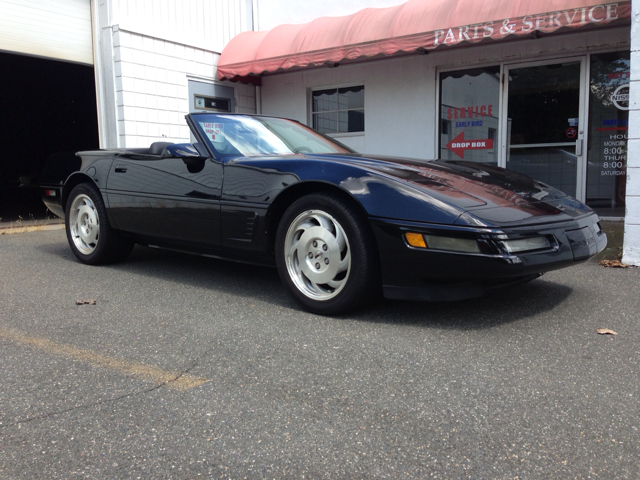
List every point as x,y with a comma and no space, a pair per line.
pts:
338,110
608,128
469,101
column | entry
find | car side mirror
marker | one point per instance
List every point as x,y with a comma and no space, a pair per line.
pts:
186,151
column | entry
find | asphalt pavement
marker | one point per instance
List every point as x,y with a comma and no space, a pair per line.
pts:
187,367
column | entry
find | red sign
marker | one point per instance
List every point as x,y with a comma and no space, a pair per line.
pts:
470,112
611,76
458,145
571,132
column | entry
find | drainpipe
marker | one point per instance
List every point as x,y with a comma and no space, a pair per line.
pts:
259,100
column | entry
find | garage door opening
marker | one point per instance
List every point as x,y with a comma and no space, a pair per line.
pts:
48,111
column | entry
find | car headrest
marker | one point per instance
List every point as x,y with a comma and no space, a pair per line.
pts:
156,148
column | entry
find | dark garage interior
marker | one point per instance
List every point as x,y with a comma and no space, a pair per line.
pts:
48,112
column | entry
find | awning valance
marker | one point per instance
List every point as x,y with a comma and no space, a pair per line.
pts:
415,25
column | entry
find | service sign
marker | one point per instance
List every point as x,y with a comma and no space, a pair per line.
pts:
530,24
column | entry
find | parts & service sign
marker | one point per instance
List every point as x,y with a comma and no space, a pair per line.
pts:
544,22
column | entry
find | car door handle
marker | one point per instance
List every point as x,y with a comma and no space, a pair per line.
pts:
121,169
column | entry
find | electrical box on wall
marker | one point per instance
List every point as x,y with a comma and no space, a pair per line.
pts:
213,104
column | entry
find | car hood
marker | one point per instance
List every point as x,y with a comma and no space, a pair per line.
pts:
489,194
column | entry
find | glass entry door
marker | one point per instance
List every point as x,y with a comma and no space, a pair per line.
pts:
544,121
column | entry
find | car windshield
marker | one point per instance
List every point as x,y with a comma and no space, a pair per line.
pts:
232,135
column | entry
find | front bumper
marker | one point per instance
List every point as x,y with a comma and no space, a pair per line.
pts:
436,275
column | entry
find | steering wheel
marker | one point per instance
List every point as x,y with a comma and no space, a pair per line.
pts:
302,150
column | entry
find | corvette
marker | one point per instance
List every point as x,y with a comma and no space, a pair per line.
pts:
341,227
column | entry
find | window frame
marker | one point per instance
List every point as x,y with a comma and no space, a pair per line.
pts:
336,87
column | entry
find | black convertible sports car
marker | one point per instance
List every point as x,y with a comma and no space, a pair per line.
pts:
339,226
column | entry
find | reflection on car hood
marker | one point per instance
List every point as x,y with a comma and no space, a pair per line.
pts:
485,191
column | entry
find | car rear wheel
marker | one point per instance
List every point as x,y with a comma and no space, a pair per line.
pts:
326,255
90,236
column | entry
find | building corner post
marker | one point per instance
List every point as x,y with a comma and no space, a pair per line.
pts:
104,73
631,248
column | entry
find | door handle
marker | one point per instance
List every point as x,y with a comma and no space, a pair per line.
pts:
121,169
578,148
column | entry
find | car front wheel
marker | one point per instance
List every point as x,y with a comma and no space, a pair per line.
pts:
90,236
325,254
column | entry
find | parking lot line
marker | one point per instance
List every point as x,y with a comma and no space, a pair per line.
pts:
170,378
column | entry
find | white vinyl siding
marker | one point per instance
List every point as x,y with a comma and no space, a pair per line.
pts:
58,29
205,24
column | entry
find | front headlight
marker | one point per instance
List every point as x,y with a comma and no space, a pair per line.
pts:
452,244
526,244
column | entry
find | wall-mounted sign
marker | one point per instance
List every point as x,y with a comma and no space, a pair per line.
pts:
529,24
572,132
212,103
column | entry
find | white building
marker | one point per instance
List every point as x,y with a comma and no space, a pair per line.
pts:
545,88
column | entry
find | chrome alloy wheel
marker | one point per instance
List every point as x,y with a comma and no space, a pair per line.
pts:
317,255
84,224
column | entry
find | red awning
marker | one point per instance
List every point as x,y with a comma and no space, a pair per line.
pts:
417,24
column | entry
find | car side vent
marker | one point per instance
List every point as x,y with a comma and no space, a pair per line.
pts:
238,225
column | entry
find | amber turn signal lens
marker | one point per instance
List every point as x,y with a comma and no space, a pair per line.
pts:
415,240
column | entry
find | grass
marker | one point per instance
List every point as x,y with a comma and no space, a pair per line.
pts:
32,225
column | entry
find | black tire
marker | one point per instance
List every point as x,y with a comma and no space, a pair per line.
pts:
326,254
92,240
